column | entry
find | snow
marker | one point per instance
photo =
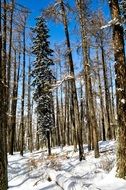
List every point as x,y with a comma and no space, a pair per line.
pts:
119,89
63,170
60,82
123,101
110,182
115,21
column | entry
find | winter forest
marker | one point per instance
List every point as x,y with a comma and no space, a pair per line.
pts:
63,95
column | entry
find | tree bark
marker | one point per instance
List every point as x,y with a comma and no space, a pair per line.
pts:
120,71
3,122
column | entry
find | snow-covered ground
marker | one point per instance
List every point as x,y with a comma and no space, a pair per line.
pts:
62,170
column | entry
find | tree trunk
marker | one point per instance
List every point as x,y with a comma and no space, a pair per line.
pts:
37,138
9,73
120,71
107,93
13,110
3,123
82,113
48,139
62,114
14,101
58,120
101,105
67,113
23,96
112,101
30,140
75,107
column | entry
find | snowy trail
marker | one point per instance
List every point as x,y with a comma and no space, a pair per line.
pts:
23,175
62,170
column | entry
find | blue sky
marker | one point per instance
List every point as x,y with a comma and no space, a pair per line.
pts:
56,31
35,7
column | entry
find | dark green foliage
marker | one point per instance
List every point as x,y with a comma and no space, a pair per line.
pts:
42,75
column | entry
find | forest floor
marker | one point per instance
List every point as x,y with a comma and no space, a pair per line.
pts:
62,170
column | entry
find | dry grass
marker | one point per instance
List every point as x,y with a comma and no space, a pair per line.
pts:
32,163
54,161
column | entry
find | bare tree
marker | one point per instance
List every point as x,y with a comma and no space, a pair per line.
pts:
88,84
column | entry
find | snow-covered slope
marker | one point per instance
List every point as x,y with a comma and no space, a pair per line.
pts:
62,170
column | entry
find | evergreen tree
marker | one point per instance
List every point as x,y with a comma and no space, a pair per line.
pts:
43,78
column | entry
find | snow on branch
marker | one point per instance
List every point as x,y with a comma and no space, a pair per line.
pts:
59,83
114,21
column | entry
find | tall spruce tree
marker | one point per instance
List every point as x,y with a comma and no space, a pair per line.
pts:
43,78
